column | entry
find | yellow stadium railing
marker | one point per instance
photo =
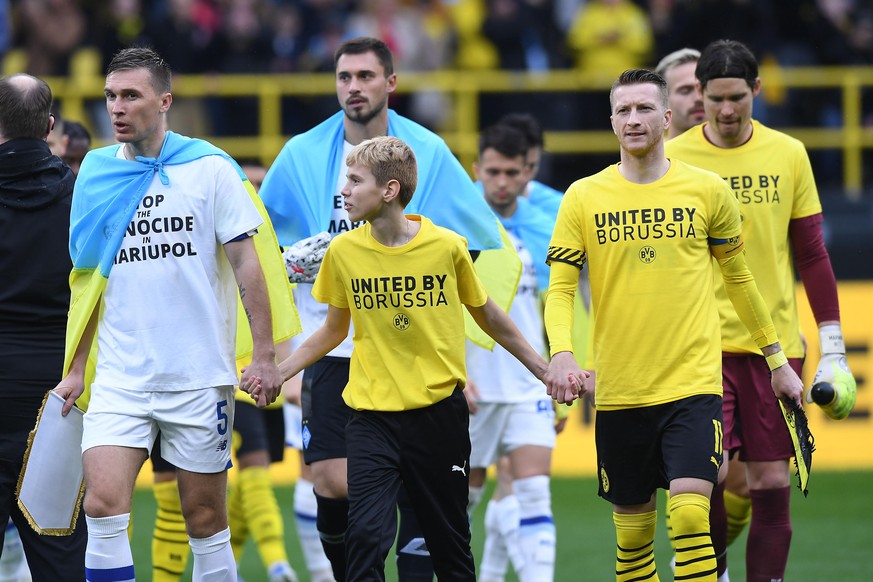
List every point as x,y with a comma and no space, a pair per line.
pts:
465,88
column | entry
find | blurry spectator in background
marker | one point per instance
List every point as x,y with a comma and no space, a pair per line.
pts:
684,97
700,22
242,45
77,140
50,31
473,50
524,33
527,38
610,36
401,26
183,32
5,27
117,24
287,42
606,38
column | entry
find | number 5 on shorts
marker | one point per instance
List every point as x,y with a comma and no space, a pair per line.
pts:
222,417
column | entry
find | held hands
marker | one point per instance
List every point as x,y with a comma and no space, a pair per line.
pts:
262,381
564,380
833,388
303,258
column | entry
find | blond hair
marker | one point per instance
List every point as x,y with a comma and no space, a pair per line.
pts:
388,158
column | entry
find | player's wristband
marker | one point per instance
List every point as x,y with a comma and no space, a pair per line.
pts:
776,360
830,339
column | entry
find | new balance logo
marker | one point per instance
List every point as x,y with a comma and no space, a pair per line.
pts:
462,469
222,445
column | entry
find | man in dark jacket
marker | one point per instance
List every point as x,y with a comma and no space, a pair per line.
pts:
36,189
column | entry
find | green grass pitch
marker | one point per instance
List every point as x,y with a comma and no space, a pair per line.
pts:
833,533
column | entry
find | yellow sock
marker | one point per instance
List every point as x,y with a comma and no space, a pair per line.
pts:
667,520
739,513
262,514
170,540
236,521
695,558
635,546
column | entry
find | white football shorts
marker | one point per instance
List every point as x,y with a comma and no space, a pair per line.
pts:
498,428
195,425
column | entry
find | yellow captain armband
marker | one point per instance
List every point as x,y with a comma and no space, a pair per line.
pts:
562,411
725,248
776,360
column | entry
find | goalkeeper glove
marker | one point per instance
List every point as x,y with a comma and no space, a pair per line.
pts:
303,258
834,387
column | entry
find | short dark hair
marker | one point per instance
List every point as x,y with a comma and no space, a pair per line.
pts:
366,44
726,59
640,77
507,140
132,58
24,107
526,124
75,130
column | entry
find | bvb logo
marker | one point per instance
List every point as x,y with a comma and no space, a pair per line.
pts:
401,322
604,480
647,254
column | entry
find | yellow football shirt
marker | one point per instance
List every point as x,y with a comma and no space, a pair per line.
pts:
772,179
407,306
656,334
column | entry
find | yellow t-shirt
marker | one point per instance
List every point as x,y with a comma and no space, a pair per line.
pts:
772,179
656,334
407,307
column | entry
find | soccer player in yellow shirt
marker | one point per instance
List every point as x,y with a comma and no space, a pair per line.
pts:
648,228
772,179
403,282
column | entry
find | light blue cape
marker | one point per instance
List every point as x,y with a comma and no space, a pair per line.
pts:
299,187
108,190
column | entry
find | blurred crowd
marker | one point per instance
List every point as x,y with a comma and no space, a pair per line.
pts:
601,37
607,36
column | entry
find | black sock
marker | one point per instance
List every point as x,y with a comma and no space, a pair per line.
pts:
332,522
413,559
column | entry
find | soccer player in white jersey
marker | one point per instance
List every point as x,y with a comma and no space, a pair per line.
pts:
162,240
514,416
771,177
648,228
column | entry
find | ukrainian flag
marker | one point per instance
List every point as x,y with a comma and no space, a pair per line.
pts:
107,193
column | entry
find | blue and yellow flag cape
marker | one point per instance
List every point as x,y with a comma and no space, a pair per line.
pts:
544,197
299,188
107,193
